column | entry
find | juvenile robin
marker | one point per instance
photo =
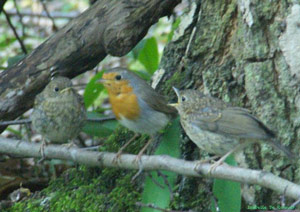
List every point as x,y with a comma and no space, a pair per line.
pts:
58,113
136,104
218,128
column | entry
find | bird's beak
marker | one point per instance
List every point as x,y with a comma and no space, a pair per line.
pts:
173,104
101,81
176,91
105,82
67,89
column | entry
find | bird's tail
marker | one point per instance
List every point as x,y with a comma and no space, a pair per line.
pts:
287,152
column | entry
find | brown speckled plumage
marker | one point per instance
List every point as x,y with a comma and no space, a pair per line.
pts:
59,112
216,127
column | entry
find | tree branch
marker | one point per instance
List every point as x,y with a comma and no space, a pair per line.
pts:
107,27
28,121
2,2
53,14
55,28
157,162
15,32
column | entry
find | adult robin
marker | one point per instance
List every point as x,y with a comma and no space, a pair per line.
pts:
59,113
219,128
136,104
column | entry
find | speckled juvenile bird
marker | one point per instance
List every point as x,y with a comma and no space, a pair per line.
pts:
58,113
218,128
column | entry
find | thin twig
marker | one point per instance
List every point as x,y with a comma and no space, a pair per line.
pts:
154,162
165,179
282,198
2,3
15,122
155,181
20,17
28,121
15,32
102,119
48,15
295,204
54,14
28,131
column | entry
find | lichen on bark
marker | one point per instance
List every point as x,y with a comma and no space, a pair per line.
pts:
235,55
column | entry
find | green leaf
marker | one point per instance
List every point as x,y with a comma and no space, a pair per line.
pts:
149,55
174,27
228,193
134,53
13,60
144,75
92,90
5,41
154,194
15,132
100,129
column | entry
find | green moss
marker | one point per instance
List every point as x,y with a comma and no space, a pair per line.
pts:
91,189
191,196
176,79
86,189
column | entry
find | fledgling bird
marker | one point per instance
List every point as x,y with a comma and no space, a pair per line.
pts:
59,113
136,104
218,128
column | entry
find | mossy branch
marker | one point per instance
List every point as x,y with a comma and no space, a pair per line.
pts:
156,162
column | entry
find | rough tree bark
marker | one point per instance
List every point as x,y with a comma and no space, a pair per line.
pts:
107,27
246,53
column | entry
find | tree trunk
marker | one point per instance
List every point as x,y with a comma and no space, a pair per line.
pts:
246,53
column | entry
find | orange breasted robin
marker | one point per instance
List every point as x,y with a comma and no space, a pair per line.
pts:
136,104
218,128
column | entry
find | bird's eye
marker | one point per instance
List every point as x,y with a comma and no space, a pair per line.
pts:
118,77
56,89
183,98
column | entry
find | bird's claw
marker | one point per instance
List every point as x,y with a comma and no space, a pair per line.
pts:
116,159
200,162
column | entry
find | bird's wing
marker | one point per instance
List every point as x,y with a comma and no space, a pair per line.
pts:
156,101
39,99
233,121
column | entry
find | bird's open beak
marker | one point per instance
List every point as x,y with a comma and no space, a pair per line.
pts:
173,104
67,89
176,91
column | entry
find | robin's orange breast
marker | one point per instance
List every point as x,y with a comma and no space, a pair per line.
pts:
123,100
125,105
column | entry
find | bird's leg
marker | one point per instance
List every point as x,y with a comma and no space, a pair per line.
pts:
223,158
42,150
91,148
119,153
200,162
220,161
138,159
69,144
